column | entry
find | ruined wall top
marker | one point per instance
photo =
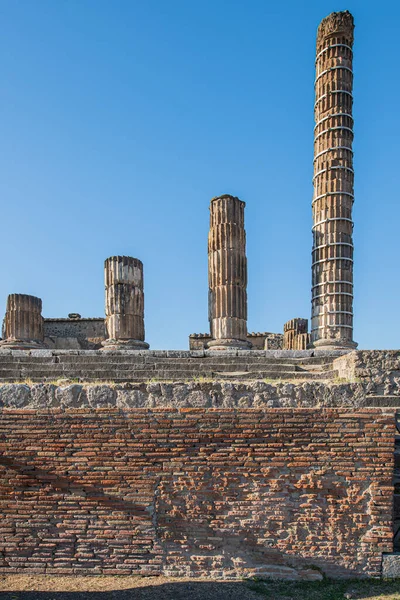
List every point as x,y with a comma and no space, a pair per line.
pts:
337,23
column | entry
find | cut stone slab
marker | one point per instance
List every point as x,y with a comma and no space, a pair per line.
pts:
391,565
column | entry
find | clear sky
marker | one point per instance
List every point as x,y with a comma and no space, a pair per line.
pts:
121,119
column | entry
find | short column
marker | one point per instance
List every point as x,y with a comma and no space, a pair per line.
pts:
124,303
227,274
295,334
23,325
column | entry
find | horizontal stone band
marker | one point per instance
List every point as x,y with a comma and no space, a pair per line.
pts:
333,129
317,262
338,193
333,46
330,94
332,244
332,219
332,69
332,116
332,148
332,282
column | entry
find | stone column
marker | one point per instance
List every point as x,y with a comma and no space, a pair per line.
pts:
227,274
23,323
332,253
295,334
124,303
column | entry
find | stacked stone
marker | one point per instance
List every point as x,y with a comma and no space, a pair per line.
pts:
124,303
227,274
274,341
295,334
23,322
332,254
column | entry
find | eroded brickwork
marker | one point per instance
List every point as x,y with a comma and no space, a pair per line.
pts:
196,491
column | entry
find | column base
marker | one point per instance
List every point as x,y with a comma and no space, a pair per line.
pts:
124,345
22,345
339,344
229,344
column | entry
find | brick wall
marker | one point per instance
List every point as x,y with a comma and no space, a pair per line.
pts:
203,492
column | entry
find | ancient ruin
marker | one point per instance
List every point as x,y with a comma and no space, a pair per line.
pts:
256,340
227,274
23,324
250,454
124,303
295,335
332,253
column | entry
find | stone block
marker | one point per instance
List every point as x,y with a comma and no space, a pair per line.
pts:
41,353
331,352
15,395
71,396
197,353
226,352
289,353
391,566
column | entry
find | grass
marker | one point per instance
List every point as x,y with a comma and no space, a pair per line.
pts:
327,589
202,379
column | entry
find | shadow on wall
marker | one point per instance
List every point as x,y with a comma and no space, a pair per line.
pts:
170,509
169,517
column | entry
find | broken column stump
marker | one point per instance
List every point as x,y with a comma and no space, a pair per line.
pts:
124,303
23,326
295,334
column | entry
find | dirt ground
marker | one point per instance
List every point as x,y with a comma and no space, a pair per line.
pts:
120,588
40,587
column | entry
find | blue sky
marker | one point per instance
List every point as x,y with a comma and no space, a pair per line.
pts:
122,119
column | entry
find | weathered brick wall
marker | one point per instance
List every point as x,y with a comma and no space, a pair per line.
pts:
204,492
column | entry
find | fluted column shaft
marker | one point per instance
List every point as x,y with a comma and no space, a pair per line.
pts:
295,334
227,274
23,322
124,302
332,253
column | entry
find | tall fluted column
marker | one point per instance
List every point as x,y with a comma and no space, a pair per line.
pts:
332,253
227,274
23,322
124,303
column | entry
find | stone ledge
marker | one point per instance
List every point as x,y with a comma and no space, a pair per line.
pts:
179,353
208,394
72,320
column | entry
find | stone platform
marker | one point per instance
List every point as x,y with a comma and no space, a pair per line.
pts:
200,463
147,365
